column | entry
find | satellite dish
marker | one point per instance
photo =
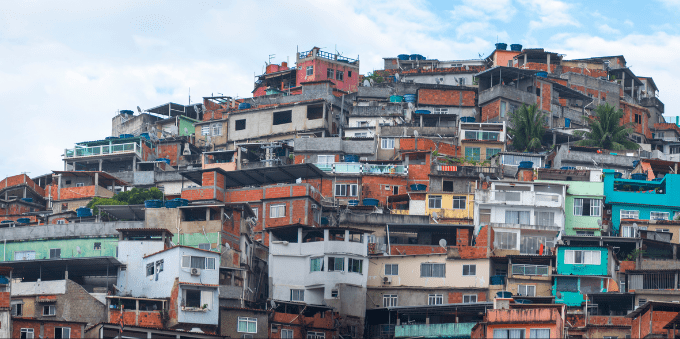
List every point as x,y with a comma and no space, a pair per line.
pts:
139,109
226,246
79,250
415,133
437,80
434,217
635,225
442,243
273,303
599,222
481,176
367,83
396,77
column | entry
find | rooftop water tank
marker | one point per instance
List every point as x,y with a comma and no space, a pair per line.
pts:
23,220
410,97
145,136
516,47
153,203
467,119
422,111
243,105
502,46
396,98
370,202
638,176
165,160
126,136
403,56
127,111
526,164
542,74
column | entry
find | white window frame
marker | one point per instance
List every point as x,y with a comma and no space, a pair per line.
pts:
52,310
323,159
277,211
55,250
440,110
80,184
470,269
202,246
210,263
286,333
393,268
316,335
387,143
66,335
434,201
499,236
656,215
310,70
346,190
246,321
390,300
30,334
497,333
629,214
595,207
628,232
468,298
429,273
61,222
205,129
526,290
533,333
435,299
297,294
14,309
459,199
587,257
216,128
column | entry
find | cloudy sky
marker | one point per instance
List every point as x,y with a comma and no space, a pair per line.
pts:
67,66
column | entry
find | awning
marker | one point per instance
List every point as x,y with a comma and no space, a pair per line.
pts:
124,212
53,269
260,176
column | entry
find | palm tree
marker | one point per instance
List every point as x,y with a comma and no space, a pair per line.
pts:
607,131
527,128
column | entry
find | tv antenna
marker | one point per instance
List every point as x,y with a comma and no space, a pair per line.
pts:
271,56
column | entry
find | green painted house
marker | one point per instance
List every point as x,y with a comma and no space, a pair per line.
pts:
583,207
581,271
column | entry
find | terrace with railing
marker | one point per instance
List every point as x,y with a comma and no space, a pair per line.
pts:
326,55
362,168
80,151
526,198
522,269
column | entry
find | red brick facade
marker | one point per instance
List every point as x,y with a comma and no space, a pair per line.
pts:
466,98
49,327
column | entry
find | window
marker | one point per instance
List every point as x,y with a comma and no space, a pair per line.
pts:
439,110
582,257
190,261
505,240
586,233
49,310
26,333
97,246
277,211
355,265
159,266
628,232
149,269
62,333
325,159
638,118
459,203
204,246
346,190
316,335
17,310
469,269
61,222
469,298
297,295
540,333
329,73
588,207
205,129
283,117
642,301
339,75
316,264
490,152
247,325
335,293
336,264
630,214
286,334
531,244
508,333
390,300
484,215
240,124
665,230
197,298
461,81
432,271
80,184
310,70
314,112
216,128
362,123
24,255
482,135
391,269
55,253
472,153
503,108
526,290
349,74
659,215
517,217
435,299
544,218
387,143
435,201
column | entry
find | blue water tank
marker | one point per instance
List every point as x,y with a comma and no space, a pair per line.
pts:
504,294
417,57
542,74
172,204
418,187
110,138
23,220
526,164
396,98
516,47
243,105
568,168
165,160
370,202
351,158
182,202
638,176
126,136
567,122
127,111
153,203
502,46
27,199
83,212
467,119
410,97
403,56
422,111
145,136
353,202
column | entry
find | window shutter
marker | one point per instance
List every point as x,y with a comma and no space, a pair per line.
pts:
186,261
596,257
569,257
207,298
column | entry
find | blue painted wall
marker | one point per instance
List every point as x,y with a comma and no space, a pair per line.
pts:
582,269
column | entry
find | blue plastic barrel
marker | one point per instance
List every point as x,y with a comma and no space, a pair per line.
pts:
153,203
403,56
27,199
83,212
351,158
243,105
6,222
467,119
526,164
516,47
501,46
410,97
423,111
396,98
503,294
23,220
542,74
370,202
126,136
638,176
417,57
567,122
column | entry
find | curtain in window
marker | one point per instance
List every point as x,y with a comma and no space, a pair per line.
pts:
316,264
517,217
198,262
540,333
515,334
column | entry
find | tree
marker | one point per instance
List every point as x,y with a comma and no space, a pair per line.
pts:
527,128
135,196
606,130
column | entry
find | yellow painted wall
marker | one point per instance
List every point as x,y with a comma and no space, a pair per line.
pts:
409,272
447,210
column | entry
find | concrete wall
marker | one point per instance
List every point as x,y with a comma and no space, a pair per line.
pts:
410,272
229,322
621,161
584,190
418,296
260,123
582,269
334,145
81,230
129,124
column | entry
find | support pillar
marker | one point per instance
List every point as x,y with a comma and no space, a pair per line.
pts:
548,63
96,183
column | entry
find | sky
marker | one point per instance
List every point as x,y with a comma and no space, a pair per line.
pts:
67,67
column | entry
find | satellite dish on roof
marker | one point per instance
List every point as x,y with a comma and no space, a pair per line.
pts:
442,243
415,133
481,176
273,303
488,179
434,217
396,77
367,83
599,222
139,109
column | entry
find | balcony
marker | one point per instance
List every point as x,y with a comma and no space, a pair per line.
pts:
508,92
520,198
355,167
447,330
81,152
466,171
521,269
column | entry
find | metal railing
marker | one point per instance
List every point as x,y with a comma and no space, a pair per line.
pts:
356,167
521,269
102,150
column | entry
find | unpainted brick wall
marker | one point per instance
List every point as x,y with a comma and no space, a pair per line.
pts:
491,110
168,151
447,97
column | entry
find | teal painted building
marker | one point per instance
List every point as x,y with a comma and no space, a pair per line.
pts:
60,248
583,206
580,271
641,199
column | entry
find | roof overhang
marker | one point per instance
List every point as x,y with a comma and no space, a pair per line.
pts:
124,212
260,176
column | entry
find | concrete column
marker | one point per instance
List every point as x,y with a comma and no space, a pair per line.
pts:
24,191
96,183
207,214
346,236
238,158
134,164
549,63
509,267
137,315
525,60
58,188
623,81
100,164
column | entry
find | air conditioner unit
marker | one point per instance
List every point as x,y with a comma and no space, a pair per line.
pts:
275,328
609,212
363,159
387,280
387,187
314,206
195,271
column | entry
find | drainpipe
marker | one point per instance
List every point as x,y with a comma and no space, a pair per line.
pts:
389,248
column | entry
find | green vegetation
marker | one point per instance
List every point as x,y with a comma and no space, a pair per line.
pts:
135,196
528,127
606,132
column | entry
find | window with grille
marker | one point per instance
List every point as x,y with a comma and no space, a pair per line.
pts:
435,201
630,214
390,300
387,143
659,215
204,246
329,73
490,152
469,298
472,153
55,253
459,203
440,110
339,75
310,70
205,130
432,271
216,128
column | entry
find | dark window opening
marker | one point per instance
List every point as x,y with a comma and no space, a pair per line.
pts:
638,118
68,182
339,75
538,92
314,112
349,74
448,186
193,298
240,124
283,117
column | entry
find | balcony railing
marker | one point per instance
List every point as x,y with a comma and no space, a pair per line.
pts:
467,171
446,330
102,150
521,269
528,198
355,167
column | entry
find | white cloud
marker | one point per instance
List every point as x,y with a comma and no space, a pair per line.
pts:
604,28
629,23
552,13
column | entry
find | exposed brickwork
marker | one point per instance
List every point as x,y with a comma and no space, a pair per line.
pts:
21,179
630,111
298,323
168,151
546,95
82,192
146,318
540,67
491,110
626,266
373,186
197,193
472,252
467,98
4,299
416,249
